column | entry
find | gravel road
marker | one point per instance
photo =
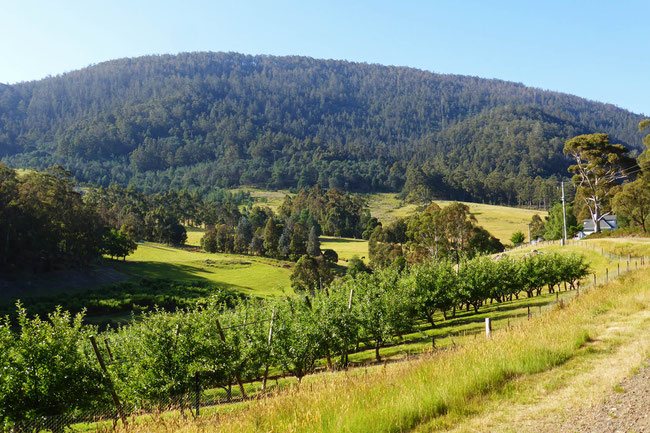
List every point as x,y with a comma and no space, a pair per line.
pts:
625,410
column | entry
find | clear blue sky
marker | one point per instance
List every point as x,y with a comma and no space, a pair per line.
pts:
594,49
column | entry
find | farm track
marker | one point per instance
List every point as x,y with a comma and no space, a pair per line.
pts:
606,389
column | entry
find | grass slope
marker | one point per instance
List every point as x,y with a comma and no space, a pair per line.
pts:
442,389
346,248
251,275
500,221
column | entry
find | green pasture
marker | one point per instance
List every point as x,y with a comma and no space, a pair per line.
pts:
346,248
256,276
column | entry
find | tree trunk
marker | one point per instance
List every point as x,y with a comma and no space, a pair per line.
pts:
377,346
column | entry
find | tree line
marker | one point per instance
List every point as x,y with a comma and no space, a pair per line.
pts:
49,367
227,119
448,233
294,230
46,224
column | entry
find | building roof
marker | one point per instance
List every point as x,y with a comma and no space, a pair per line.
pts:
609,222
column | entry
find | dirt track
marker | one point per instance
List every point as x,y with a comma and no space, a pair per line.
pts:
626,409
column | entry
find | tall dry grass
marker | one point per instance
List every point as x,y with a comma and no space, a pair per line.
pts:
398,397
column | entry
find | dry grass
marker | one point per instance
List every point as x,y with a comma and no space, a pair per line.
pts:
272,199
622,246
500,221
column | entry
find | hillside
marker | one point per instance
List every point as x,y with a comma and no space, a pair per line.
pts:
229,119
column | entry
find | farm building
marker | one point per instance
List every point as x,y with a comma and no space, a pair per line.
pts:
610,222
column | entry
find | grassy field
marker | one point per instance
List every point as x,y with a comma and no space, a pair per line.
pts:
500,221
272,199
346,248
621,246
445,388
251,275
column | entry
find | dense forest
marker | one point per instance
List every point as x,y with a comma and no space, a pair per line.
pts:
195,120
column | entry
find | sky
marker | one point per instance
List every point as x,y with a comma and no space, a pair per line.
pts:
594,49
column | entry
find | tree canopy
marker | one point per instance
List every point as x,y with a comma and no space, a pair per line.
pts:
198,120
599,167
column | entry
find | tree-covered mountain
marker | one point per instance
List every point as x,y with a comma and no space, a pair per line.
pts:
228,119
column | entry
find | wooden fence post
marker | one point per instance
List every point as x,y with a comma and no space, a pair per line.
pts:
528,312
108,350
266,367
114,396
197,394
345,354
606,275
488,327
594,279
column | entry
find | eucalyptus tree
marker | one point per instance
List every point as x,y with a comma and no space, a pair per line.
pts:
599,166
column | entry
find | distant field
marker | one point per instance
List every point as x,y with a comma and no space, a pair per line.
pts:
272,199
500,221
194,235
346,248
256,276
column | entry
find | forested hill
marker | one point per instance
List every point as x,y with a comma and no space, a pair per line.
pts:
230,119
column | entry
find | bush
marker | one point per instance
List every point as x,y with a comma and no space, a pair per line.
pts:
517,238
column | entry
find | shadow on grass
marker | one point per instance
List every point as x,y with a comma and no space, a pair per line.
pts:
178,272
155,270
340,240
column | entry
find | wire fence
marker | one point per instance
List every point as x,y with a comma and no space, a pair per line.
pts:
105,419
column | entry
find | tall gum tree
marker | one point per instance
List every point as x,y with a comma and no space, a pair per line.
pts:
599,167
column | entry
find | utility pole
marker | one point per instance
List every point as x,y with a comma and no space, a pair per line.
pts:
563,215
530,239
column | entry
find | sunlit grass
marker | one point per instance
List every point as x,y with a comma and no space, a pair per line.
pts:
440,386
258,276
346,248
263,197
500,221
622,246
